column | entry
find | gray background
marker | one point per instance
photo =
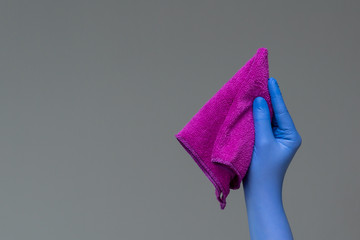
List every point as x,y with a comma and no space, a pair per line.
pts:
92,93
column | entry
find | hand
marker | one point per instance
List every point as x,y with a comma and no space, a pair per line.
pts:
276,143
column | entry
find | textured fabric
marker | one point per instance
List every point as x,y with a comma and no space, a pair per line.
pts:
220,136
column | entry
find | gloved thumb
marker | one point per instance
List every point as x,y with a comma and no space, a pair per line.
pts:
262,120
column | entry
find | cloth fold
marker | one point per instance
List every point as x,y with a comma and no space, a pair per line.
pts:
220,136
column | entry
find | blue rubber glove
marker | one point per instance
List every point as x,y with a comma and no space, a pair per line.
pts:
276,143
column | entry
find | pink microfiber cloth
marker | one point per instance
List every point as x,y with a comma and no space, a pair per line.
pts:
220,136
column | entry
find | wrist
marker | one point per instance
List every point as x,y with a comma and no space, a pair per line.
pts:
265,193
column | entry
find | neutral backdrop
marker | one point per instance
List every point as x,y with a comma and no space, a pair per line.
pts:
92,93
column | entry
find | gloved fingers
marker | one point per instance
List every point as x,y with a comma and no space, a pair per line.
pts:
281,114
262,120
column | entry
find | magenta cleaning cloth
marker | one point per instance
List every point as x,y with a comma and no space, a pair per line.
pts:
220,136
